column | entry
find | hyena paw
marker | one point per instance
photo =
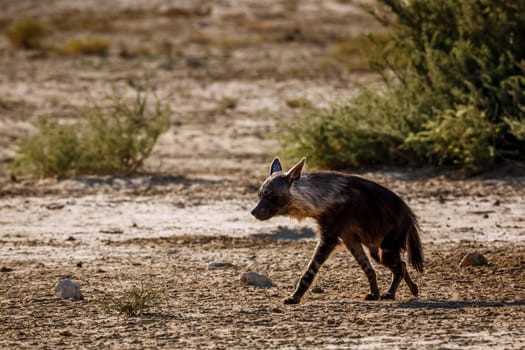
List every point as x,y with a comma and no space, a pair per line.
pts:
414,289
291,300
372,296
388,296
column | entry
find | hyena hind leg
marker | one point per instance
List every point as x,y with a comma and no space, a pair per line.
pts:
411,285
359,254
392,260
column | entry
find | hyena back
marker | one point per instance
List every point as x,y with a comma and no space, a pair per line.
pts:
350,209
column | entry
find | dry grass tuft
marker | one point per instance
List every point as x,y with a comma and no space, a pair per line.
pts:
26,34
136,302
227,103
300,102
87,46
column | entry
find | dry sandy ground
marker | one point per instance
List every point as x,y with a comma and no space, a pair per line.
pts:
191,205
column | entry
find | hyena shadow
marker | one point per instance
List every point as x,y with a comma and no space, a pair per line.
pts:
428,304
287,233
141,179
456,304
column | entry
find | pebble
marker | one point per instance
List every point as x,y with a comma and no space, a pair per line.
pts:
473,259
66,288
251,278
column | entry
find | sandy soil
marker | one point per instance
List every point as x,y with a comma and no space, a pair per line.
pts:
191,204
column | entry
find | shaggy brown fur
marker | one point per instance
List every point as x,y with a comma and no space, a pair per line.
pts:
350,209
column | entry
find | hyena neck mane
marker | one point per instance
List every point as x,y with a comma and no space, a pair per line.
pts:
313,194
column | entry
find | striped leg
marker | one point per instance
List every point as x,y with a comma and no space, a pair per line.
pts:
392,260
359,254
411,285
323,250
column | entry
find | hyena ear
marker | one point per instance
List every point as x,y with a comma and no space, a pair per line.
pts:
295,173
275,166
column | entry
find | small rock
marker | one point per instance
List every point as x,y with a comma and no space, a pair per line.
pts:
55,206
251,278
317,289
66,288
473,259
217,264
5,269
79,264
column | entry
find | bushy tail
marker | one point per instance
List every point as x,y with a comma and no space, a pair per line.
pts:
413,245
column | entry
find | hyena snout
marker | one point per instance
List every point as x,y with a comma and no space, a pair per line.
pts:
260,212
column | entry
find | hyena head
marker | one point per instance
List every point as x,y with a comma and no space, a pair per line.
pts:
274,194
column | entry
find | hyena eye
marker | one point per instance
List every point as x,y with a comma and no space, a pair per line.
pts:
270,197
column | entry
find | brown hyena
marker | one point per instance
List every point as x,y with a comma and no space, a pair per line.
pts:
350,209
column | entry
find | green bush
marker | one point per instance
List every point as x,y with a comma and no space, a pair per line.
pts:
453,93
461,136
112,138
26,33
350,134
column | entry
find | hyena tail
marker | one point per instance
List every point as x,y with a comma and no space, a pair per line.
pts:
413,245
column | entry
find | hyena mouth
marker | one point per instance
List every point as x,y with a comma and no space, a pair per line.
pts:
261,215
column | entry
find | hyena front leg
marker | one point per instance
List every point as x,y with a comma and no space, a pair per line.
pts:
322,251
357,251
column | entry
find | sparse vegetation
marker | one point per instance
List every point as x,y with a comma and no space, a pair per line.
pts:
453,93
227,103
114,137
299,103
136,302
87,46
26,33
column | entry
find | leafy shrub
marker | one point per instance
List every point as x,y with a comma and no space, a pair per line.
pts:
136,301
347,135
516,128
26,33
453,92
113,138
87,46
460,136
